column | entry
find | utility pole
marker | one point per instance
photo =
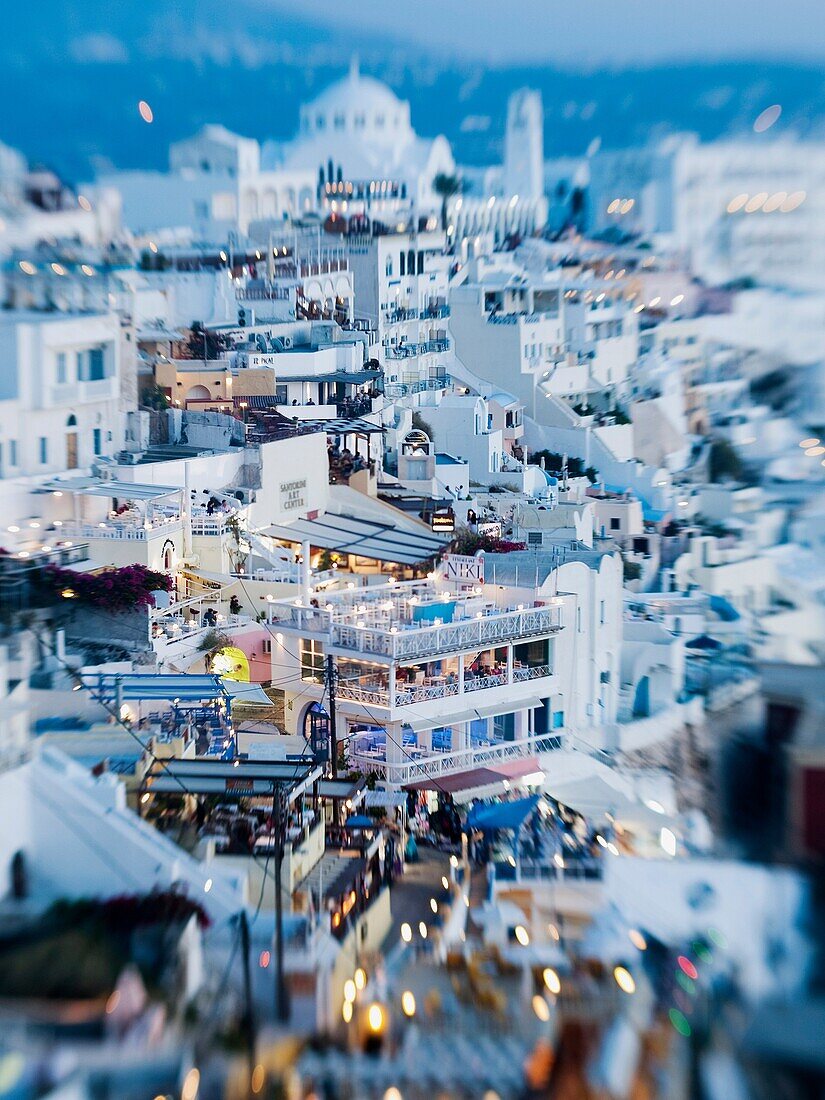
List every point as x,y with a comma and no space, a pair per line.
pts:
281,1006
249,1007
331,678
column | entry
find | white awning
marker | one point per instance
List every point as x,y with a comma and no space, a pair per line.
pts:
468,713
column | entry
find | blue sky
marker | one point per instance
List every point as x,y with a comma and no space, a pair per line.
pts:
590,32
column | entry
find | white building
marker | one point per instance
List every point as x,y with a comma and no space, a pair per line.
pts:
737,208
524,145
59,398
214,186
357,143
402,282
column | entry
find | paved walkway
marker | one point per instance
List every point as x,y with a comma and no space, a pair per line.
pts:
411,894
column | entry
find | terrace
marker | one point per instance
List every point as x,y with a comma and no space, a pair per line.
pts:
415,620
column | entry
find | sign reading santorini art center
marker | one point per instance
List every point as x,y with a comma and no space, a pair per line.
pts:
293,495
461,569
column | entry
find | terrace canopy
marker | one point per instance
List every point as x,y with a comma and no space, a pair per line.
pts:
137,687
367,538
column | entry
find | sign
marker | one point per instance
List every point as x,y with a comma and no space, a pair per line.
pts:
443,521
462,569
244,785
490,528
293,495
261,360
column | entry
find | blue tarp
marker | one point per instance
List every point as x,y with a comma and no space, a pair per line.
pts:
703,642
361,821
724,609
502,815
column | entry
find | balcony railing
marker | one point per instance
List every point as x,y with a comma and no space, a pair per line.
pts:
478,683
424,693
129,532
448,637
404,389
532,672
436,765
401,351
437,311
373,691
395,315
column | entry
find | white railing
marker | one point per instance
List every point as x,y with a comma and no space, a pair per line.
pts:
424,693
131,532
478,683
534,672
448,637
359,693
441,764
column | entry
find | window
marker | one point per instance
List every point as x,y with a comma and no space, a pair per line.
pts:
80,365
43,448
360,122
62,375
267,645
97,441
388,268
558,719
97,366
312,660
402,260
504,727
12,452
615,523
339,122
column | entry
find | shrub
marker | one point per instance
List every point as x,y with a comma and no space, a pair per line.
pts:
469,542
113,589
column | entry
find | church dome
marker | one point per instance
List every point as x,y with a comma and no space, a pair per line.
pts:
357,103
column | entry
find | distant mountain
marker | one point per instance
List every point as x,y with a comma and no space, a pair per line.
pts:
70,88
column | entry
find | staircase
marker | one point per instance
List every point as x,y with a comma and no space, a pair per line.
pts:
332,873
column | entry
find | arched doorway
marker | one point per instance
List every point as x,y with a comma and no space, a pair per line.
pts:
198,393
72,456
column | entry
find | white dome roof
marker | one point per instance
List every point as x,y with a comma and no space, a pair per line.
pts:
355,92
359,106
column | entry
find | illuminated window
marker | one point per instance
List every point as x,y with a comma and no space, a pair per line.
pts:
312,660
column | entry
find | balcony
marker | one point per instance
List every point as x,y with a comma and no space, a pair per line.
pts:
531,672
397,315
436,311
423,768
71,393
125,530
479,683
401,351
432,346
414,641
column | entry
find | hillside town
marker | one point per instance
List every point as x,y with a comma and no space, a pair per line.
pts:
411,673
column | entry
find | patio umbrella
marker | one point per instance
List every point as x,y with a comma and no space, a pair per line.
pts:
361,821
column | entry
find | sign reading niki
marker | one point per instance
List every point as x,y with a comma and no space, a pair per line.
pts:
293,495
460,569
